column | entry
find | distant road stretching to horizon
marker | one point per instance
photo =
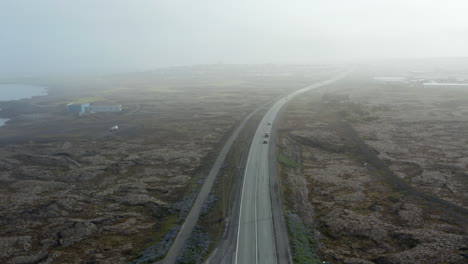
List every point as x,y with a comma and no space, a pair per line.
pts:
256,241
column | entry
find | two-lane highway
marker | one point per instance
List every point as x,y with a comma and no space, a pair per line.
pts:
256,234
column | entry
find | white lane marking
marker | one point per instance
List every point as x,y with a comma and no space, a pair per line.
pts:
269,194
279,104
242,194
274,113
256,202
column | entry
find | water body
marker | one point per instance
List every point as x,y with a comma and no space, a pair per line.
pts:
3,121
11,92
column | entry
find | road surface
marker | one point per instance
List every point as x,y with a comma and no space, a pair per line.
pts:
256,241
192,217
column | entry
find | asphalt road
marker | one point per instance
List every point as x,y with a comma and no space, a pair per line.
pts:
192,217
256,241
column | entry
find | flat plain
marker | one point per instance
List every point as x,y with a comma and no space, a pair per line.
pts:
376,173
74,192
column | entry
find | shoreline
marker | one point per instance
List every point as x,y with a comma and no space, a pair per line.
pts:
31,91
23,92
3,121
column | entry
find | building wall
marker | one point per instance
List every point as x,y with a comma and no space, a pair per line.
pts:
84,108
77,108
105,108
445,85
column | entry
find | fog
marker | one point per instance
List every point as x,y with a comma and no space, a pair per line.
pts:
69,36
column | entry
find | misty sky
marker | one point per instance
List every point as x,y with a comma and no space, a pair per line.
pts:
64,36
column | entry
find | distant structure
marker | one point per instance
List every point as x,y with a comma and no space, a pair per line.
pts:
77,108
104,108
391,79
438,81
87,108
445,85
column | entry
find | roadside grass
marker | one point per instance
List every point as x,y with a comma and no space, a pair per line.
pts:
155,237
303,245
283,159
168,223
302,242
211,222
196,248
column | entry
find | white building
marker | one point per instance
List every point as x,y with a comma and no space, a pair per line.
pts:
104,108
445,85
391,79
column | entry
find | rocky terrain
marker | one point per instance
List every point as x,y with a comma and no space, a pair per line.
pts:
377,173
73,192
89,200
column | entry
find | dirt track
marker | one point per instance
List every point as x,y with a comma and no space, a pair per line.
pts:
370,156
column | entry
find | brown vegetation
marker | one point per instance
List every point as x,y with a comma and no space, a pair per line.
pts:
381,173
73,192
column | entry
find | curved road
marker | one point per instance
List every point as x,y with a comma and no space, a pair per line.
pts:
256,232
192,217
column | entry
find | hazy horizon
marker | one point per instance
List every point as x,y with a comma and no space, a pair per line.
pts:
64,36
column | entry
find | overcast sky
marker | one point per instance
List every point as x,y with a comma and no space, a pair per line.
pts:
63,36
